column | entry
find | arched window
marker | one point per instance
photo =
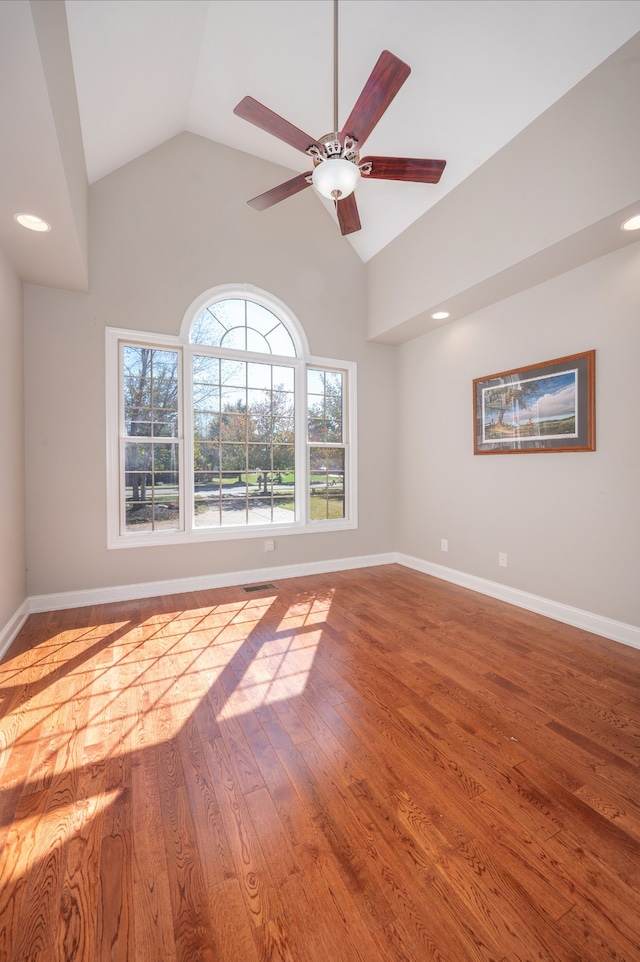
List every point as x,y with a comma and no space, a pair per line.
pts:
230,429
241,325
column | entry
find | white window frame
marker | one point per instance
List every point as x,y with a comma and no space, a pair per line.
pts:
115,340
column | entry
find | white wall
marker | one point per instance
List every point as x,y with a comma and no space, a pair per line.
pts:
13,582
163,229
569,522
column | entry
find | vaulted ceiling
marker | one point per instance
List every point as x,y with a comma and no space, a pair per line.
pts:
145,70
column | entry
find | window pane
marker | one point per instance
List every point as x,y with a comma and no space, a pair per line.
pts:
325,406
233,373
230,312
233,492
150,388
165,424
206,397
284,462
152,487
334,430
284,500
164,363
137,459
212,324
327,461
315,381
258,402
256,342
233,514
132,359
233,460
206,458
140,424
137,392
235,339
317,429
326,483
206,488
233,399
207,329
283,404
259,457
283,430
233,427
283,378
259,376
206,427
272,494
280,342
206,370
261,318
333,382
260,508
261,429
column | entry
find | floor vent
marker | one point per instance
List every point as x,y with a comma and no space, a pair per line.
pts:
257,588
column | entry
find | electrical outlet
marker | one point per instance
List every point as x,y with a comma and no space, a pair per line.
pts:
444,544
269,545
502,559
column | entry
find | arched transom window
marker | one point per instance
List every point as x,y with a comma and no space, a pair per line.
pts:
241,325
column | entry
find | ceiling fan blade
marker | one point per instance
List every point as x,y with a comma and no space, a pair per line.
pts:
405,168
259,115
348,216
281,192
385,81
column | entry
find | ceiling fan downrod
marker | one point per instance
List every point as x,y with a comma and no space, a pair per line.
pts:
335,64
340,179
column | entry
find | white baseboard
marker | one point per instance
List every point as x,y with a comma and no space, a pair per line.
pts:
13,626
598,624
151,589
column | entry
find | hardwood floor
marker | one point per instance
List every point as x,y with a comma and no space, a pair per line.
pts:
369,765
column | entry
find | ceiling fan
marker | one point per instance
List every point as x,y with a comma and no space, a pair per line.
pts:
337,167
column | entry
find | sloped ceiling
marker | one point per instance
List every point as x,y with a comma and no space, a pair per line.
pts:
145,70
42,167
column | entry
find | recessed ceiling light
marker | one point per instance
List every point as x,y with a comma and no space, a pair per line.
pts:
632,224
440,315
31,222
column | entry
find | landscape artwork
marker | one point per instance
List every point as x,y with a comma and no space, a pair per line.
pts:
543,407
537,407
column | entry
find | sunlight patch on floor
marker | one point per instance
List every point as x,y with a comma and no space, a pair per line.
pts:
232,658
272,677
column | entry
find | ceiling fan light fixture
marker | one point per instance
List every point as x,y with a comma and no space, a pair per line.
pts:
335,178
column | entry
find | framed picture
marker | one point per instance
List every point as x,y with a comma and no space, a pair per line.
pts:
542,407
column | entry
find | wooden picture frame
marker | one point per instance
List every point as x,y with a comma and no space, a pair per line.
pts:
546,407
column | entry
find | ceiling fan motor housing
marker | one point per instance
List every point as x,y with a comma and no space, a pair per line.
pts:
331,147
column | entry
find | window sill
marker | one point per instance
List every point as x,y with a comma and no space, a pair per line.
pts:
156,538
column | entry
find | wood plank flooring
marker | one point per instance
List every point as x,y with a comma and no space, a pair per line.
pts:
369,765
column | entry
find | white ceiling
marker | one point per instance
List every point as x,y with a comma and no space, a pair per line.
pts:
482,70
145,70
